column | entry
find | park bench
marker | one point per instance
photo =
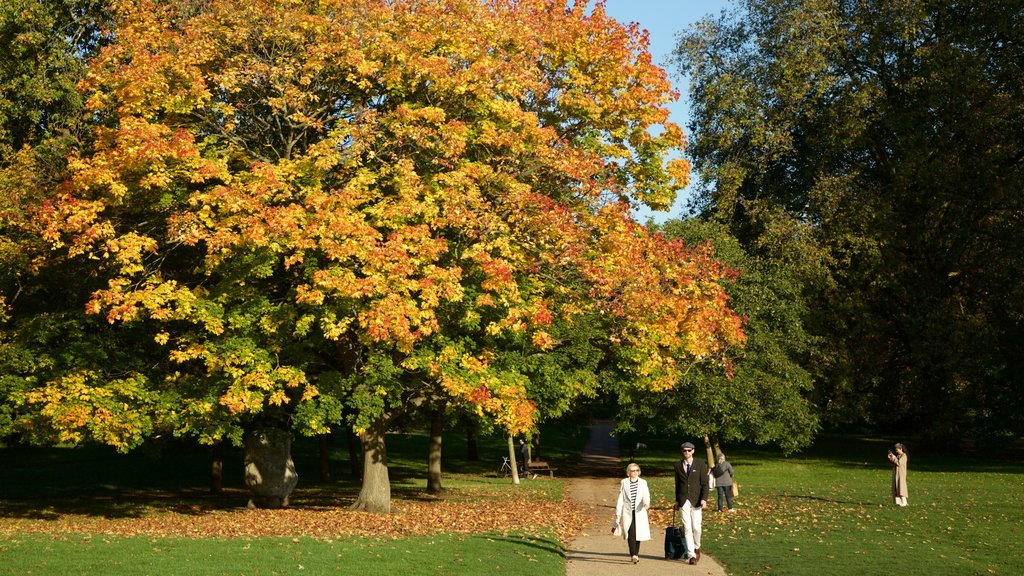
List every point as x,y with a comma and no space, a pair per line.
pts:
536,467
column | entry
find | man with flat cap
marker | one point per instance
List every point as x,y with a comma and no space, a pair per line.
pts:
691,498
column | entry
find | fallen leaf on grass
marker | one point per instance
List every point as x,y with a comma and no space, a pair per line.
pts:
502,514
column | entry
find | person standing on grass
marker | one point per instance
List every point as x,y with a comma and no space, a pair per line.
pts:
899,474
631,510
723,481
691,498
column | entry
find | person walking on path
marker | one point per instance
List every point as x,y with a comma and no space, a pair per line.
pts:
899,474
691,498
631,511
723,481
593,551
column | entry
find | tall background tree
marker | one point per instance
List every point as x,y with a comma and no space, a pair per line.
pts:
875,149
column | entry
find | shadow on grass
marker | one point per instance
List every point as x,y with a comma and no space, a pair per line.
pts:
115,505
549,546
817,499
174,476
119,504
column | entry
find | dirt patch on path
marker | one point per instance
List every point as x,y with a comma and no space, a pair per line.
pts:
594,551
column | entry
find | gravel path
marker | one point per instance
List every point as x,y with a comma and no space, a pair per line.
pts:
595,552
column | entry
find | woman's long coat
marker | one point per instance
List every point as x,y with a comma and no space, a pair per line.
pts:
899,476
622,511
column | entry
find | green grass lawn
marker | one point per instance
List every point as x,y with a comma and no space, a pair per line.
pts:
454,555
829,512
826,511
46,483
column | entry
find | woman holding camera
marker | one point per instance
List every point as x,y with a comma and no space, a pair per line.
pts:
899,474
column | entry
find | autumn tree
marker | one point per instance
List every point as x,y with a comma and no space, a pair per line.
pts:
765,398
343,210
875,148
42,324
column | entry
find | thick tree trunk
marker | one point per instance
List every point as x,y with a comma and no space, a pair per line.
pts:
269,470
472,454
375,495
434,453
325,467
217,467
512,459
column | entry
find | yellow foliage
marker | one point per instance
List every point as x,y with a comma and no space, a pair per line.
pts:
365,173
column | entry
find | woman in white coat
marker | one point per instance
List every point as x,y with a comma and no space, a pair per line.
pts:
631,511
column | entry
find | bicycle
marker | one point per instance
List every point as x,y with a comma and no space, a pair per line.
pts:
506,467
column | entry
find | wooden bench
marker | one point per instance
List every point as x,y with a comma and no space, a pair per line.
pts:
537,467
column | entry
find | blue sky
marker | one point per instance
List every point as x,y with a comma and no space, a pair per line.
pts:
662,19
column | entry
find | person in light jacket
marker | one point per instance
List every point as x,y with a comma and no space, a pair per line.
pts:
899,474
631,510
723,481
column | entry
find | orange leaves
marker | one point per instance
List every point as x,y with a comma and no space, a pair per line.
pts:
132,168
669,297
286,177
665,302
157,299
500,394
476,511
390,319
428,129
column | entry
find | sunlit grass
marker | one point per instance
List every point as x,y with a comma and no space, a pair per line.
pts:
825,511
455,555
829,512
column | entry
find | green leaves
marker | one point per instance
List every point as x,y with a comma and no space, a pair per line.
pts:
763,398
867,148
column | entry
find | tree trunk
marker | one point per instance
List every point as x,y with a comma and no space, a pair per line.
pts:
354,460
217,467
434,453
535,446
472,454
375,495
269,470
512,459
711,455
325,468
